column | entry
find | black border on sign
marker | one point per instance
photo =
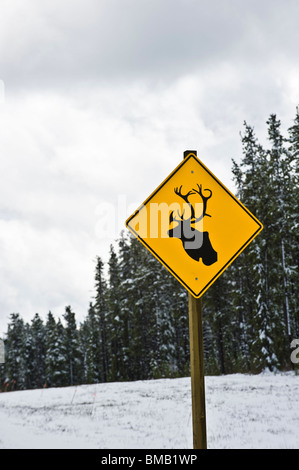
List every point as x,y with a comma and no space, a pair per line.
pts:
260,226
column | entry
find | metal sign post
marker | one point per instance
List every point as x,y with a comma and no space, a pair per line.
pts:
197,366
197,373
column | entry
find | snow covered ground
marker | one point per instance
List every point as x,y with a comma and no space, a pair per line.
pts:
243,411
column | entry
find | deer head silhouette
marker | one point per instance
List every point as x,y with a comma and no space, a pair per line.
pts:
196,244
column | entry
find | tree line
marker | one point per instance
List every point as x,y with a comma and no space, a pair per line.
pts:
136,326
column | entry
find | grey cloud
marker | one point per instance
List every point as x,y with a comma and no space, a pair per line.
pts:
64,43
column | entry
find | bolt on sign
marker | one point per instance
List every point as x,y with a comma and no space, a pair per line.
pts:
194,225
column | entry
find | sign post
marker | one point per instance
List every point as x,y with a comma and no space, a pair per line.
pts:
197,366
196,228
197,373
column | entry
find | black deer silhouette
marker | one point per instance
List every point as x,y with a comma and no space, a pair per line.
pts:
196,244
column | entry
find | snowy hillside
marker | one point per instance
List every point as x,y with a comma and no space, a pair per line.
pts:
243,411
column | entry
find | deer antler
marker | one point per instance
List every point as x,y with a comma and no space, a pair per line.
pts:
204,200
185,197
178,191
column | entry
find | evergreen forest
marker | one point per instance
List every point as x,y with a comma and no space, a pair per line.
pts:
136,325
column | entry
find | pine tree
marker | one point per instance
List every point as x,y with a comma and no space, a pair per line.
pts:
2,365
55,356
247,178
51,348
36,353
154,312
177,323
142,318
220,317
116,324
280,189
126,300
73,358
252,274
61,375
93,347
265,273
15,360
292,274
100,308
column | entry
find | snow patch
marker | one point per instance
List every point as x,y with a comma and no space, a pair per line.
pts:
243,411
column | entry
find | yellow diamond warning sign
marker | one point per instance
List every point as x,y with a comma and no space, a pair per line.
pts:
194,225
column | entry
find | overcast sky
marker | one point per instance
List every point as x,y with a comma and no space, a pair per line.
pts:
98,101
